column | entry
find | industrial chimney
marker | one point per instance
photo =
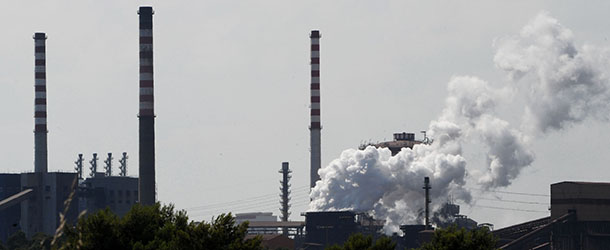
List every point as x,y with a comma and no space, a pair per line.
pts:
285,195
146,115
315,126
40,104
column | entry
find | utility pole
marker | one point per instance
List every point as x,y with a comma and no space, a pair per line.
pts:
427,188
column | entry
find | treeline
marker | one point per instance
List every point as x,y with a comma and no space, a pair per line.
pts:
143,227
160,227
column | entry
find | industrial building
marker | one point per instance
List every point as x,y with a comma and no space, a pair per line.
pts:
32,202
10,184
580,219
324,229
401,140
118,193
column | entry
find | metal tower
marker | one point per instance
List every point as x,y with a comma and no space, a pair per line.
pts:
427,188
79,166
108,166
285,195
93,167
123,165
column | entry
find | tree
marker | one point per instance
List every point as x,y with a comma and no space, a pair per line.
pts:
360,242
452,238
156,227
19,241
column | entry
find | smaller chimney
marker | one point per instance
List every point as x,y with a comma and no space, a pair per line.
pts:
93,167
108,166
123,166
285,188
79,166
427,188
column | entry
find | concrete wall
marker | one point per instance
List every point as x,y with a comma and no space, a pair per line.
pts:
590,200
115,192
40,213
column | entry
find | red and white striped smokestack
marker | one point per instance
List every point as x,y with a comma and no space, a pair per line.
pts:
147,192
40,104
315,126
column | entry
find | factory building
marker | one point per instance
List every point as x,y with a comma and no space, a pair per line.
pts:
42,193
32,202
580,219
40,212
401,140
118,193
10,184
324,229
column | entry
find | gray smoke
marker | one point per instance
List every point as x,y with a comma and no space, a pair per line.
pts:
564,85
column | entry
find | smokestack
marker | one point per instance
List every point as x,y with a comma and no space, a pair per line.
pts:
40,104
146,115
108,166
315,126
427,188
285,196
93,167
123,166
79,167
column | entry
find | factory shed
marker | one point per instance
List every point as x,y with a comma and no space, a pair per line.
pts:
274,241
401,140
10,185
580,219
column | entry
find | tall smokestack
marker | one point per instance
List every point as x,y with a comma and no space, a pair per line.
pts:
40,104
315,126
146,116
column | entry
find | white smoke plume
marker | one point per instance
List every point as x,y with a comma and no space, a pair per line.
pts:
391,186
564,86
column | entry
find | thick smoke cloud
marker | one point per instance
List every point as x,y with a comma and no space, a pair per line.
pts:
391,186
564,86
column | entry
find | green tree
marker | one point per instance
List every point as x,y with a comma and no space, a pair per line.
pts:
452,238
361,242
19,241
156,227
